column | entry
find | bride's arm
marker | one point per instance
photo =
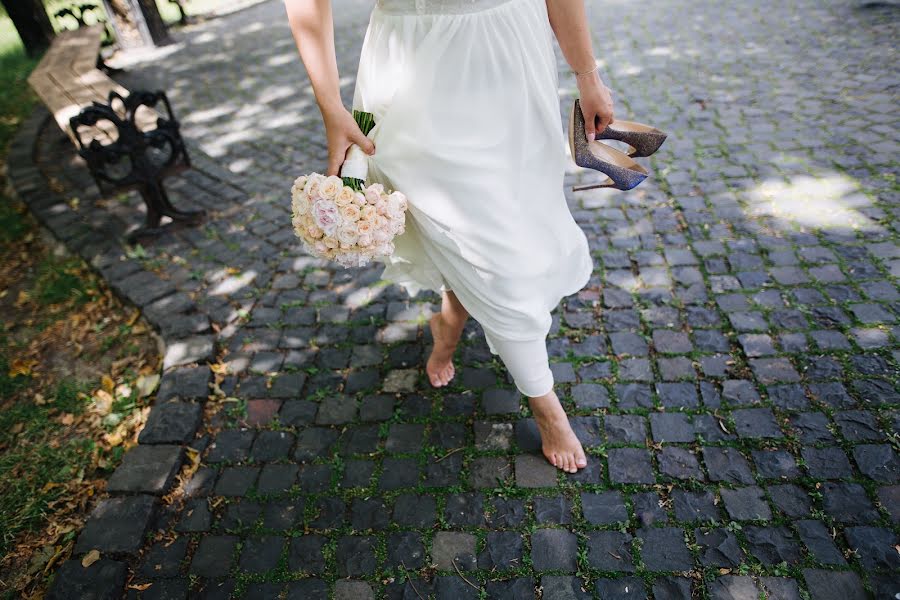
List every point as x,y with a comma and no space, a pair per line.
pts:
569,22
313,30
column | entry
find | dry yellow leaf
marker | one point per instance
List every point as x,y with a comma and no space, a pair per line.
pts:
67,418
90,558
108,384
133,318
22,366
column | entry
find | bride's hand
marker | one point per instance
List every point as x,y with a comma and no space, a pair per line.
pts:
342,131
596,103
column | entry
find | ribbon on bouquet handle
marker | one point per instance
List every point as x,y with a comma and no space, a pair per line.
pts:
356,163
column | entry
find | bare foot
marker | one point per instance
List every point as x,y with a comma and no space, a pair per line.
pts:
558,441
440,364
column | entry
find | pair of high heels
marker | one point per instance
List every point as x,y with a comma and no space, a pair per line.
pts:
623,173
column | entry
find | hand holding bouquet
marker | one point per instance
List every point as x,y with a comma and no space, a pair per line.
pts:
342,219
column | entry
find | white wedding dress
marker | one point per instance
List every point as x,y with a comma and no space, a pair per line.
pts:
467,125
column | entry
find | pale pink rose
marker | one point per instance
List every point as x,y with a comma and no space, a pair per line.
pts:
314,232
313,183
326,216
345,196
359,198
331,186
377,188
381,207
395,201
364,239
347,234
364,227
372,196
331,242
350,213
300,204
320,247
367,213
380,235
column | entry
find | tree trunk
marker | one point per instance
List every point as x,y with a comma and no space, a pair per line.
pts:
136,23
32,23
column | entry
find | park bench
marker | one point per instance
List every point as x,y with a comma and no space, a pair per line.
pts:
125,142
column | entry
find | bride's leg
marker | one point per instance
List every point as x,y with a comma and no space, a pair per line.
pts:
528,364
446,329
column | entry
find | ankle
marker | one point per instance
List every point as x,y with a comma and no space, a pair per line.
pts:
547,407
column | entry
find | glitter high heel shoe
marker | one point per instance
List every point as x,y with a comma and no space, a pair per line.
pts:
622,172
643,139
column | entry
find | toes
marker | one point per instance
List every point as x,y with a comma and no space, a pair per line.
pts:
581,461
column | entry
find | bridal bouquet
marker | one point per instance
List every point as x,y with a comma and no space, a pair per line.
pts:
342,219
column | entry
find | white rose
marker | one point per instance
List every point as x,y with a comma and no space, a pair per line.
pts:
350,213
300,204
345,196
367,213
347,234
364,239
313,183
359,198
331,186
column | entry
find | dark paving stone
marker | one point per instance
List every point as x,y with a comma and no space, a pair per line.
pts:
502,551
671,427
834,585
497,401
260,554
314,478
164,559
811,427
196,516
451,587
625,588
117,525
406,549
633,395
271,445
672,588
236,481
378,407
556,510
775,464
399,473
336,410
230,446
506,513
610,551
590,396
772,545
405,438
679,463
306,553
213,557
603,508
630,465
451,548
171,423
355,556
554,549
512,589
369,513
847,502
297,413
695,506
727,464
464,509
414,511
313,442
819,543
677,395
733,587
756,423
746,503
564,588
103,580
875,547
790,500
625,429
878,461
664,549
283,514
827,463
718,548
146,469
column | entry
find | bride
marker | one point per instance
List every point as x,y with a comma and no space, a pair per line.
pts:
467,125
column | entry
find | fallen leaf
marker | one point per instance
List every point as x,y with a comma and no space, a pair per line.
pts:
67,418
17,428
139,586
22,366
146,384
108,384
90,558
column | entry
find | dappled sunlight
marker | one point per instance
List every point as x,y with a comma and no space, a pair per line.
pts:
818,202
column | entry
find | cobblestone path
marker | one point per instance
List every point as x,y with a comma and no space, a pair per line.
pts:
731,368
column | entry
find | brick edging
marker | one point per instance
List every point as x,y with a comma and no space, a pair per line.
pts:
117,526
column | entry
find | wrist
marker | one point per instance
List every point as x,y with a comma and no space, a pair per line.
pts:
330,106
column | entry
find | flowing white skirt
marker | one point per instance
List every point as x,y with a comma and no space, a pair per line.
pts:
467,125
